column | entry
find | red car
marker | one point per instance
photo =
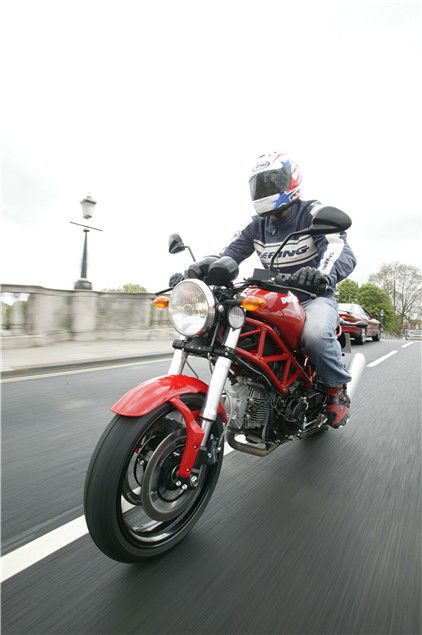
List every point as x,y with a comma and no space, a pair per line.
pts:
359,323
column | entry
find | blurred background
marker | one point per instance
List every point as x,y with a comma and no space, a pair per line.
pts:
158,111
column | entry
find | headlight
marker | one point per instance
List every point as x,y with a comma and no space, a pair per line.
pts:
191,307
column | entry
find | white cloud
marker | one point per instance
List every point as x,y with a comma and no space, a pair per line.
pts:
159,110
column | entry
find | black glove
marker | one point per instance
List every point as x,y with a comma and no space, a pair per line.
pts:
309,279
199,269
175,279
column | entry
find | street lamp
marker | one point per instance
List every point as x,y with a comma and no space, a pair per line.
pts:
87,204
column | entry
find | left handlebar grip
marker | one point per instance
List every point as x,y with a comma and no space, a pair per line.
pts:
282,279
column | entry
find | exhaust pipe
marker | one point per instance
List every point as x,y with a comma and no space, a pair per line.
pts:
355,366
248,447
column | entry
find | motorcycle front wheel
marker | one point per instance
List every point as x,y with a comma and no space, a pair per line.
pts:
135,506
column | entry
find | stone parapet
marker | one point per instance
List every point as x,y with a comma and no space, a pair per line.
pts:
35,316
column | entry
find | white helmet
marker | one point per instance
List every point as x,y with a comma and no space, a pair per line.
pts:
275,182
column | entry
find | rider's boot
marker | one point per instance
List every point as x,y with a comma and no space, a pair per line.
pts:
337,406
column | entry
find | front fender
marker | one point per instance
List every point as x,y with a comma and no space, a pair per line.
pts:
154,392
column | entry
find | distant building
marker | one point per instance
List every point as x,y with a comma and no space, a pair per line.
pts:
414,324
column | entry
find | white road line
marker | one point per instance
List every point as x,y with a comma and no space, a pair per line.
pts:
22,558
92,369
381,359
408,344
16,561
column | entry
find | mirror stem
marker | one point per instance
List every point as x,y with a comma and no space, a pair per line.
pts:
285,241
191,253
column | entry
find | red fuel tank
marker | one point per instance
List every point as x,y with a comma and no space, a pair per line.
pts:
283,311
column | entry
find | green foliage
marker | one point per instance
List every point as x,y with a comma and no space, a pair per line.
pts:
376,300
349,291
127,288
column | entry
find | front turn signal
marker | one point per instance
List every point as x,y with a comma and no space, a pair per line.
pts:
252,303
161,302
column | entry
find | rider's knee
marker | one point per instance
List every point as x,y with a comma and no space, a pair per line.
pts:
316,337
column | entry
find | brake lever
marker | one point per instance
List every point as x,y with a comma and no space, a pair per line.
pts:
312,295
286,287
326,289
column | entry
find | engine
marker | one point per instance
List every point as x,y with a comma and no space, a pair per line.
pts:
250,408
263,415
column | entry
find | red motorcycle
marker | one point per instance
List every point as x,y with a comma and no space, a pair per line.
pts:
157,463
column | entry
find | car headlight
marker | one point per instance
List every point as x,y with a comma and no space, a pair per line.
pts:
191,307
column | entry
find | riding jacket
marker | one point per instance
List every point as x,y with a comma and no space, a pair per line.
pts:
330,254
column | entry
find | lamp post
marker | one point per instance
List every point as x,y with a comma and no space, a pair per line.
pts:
88,204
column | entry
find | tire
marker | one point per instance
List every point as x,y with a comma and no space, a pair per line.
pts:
377,337
362,339
107,479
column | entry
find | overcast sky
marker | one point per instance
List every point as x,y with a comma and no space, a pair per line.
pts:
159,109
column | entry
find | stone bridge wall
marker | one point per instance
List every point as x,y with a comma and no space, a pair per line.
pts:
35,316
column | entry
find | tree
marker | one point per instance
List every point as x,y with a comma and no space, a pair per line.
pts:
378,303
127,288
403,283
349,291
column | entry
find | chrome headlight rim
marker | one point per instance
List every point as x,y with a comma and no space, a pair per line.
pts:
209,299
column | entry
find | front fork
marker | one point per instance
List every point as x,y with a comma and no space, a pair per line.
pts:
212,401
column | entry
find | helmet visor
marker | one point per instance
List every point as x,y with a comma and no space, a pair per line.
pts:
269,183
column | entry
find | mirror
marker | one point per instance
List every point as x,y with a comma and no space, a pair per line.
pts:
176,244
329,220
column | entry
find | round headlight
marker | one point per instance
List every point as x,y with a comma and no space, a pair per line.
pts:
191,307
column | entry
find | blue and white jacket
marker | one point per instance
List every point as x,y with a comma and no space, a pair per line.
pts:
330,254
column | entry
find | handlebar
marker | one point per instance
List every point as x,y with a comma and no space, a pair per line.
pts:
281,284
272,284
324,288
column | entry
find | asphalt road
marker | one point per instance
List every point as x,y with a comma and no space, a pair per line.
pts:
321,536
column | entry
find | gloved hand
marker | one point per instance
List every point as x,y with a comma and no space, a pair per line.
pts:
175,279
199,269
309,279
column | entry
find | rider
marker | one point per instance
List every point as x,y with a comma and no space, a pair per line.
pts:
311,261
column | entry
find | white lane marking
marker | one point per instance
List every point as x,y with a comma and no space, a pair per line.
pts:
31,553
92,369
408,344
23,557
381,359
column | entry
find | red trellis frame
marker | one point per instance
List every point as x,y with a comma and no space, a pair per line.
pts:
263,361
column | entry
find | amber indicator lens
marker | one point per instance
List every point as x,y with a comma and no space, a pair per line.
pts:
252,303
161,302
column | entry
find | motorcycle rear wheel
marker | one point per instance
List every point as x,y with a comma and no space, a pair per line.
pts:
116,514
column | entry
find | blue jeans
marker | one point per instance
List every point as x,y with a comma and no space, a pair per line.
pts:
319,341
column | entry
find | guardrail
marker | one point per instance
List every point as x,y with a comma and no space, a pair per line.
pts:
34,316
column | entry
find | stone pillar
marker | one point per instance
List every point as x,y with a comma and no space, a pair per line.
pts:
84,316
17,318
146,311
37,314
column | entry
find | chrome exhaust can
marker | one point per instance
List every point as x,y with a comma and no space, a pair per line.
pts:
355,365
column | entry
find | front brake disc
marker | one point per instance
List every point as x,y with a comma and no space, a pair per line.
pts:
162,498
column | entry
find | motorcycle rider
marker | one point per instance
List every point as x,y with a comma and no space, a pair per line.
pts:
309,263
